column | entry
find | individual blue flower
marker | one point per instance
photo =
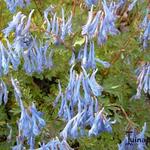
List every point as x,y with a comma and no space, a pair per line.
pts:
91,58
17,91
143,80
104,63
4,59
3,92
38,122
72,60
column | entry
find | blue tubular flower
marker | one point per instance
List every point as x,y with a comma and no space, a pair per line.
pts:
14,58
72,60
76,92
91,59
104,63
13,24
49,9
5,59
138,145
89,3
27,26
66,28
39,57
55,29
71,84
38,122
95,87
146,37
49,62
85,27
17,92
3,92
94,25
102,34
85,54
109,19
25,123
27,63
143,79
64,111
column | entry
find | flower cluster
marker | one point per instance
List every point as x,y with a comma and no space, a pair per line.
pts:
55,144
102,24
134,140
23,39
59,28
13,4
30,123
36,56
143,80
79,106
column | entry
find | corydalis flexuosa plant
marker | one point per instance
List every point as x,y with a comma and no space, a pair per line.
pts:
35,54
79,124
79,106
73,95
